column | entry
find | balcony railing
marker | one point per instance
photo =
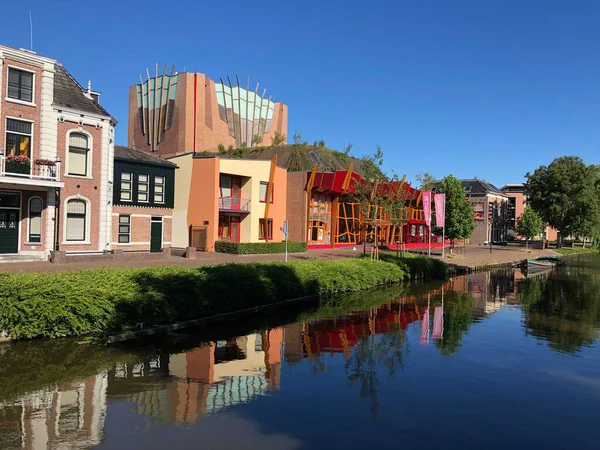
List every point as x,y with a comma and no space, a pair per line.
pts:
234,204
25,168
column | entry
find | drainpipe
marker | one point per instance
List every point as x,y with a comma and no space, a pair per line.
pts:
57,220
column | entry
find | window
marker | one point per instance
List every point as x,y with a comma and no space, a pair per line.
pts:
76,215
124,229
18,137
35,220
78,154
126,188
317,230
261,228
263,192
319,204
142,188
20,85
159,189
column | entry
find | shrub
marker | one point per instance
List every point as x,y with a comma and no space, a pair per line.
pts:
418,267
87,301
254,248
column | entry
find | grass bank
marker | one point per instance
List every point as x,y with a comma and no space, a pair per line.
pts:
416,266
110,299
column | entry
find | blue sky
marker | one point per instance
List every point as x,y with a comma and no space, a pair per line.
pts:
472,88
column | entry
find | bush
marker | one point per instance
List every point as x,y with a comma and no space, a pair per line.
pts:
418,267
110,299
254,248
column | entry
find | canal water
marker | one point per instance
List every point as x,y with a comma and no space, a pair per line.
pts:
490,360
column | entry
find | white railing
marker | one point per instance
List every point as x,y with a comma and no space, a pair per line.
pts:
234,204
48,170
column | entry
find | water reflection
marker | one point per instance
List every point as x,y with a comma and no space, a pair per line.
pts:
183,382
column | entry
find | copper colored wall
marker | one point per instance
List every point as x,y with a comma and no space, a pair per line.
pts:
296,205
206,130
203,207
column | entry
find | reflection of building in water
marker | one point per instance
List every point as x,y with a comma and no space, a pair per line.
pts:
490,291
340,334
204,380
68,418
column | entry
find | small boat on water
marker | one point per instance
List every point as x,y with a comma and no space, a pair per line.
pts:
544,263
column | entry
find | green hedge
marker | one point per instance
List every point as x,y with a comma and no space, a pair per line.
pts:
253,248
109,299
418,267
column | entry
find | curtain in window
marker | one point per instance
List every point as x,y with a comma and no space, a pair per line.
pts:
76,212
35,220
78,154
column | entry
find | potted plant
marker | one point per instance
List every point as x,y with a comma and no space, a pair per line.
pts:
45,167
17,164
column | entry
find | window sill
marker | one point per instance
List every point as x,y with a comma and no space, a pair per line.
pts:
20,102
80,177
76,243
32,244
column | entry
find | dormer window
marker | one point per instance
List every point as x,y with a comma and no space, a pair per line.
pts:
20,85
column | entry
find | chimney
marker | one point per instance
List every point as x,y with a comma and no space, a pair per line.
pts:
92,95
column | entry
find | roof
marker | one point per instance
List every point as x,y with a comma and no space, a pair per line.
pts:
134,155
480,187
298,158
518,187
69,94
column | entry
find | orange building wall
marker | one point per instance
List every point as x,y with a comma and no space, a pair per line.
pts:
203,197
277,209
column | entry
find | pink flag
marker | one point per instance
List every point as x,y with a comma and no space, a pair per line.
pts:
440,210
438,322
427,207
425,326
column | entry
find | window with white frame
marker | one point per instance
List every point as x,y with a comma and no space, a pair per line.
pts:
126,186
79,150
264,187
35,220
76,220
159,189
20,85
124,229
18,137
143,187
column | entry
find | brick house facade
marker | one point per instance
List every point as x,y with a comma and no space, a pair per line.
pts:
56,156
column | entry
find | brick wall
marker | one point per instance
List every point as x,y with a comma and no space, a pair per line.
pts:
85,188
140,227
296,205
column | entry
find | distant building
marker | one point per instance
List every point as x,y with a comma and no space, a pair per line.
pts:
180,113
491,211
516,205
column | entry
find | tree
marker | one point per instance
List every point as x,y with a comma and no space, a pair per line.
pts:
529,224
395,205
297,138
460,223
366,192
566,194
426,181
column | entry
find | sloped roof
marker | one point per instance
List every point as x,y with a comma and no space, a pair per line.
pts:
132,154
298,158
69,94
480,187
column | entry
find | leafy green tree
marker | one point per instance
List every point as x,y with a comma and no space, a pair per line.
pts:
529,224
566,194
460,223
426,181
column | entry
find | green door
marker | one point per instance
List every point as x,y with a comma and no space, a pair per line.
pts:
156,231
9,231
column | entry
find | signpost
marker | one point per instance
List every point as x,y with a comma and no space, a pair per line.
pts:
284,228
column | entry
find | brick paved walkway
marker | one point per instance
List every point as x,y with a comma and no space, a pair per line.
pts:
470,256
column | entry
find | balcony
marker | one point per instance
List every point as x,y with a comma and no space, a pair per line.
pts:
234,204
22,170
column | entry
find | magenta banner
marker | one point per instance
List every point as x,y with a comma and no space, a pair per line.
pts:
440,210
427,207
438,322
